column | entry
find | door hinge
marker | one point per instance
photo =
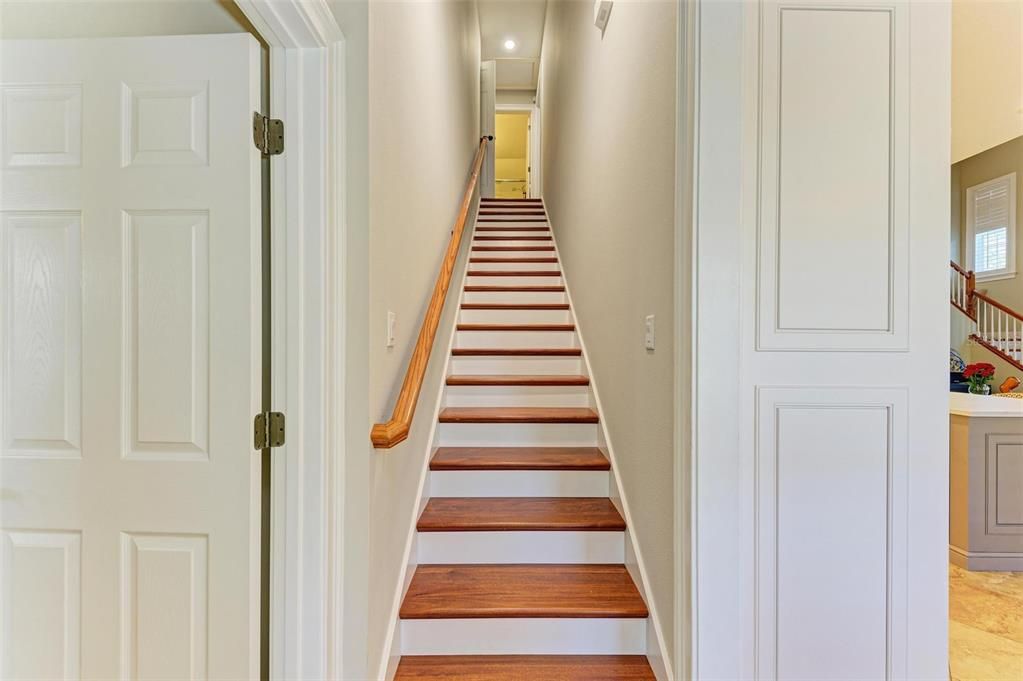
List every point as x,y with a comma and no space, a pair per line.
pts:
268,429
268,134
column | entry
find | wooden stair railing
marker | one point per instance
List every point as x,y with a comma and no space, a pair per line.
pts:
999,328
396,429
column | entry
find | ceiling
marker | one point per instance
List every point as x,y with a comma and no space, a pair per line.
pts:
518,20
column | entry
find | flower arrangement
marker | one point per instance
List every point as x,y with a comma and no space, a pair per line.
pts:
979,375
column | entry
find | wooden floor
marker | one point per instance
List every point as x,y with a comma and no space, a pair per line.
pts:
526,668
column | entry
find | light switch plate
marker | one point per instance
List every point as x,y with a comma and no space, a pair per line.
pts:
390,329
650,339
601,13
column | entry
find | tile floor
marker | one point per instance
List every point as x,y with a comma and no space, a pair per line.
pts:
985,625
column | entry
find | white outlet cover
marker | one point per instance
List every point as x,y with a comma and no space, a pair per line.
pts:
390,328
650,338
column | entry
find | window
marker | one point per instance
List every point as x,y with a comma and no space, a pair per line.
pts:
991,228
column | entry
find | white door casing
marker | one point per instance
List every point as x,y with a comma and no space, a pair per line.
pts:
130,358
821,486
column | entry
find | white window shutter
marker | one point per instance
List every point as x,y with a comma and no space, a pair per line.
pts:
991,223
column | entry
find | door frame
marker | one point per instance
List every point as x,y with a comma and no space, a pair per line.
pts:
686,157
532,143
308,240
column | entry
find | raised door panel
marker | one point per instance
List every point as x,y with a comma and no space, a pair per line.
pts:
41,125
166,345
40,605
164,608
832,201
41,336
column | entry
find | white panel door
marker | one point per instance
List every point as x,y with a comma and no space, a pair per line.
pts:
822,236
129,358
488,121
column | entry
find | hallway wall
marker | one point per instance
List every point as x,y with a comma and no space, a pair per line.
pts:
424,66
608,107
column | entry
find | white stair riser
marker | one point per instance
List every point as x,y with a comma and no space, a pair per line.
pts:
513,233
516,254
517,435
518,396
516,339
521,547
524,636
514,317
517,297
514,281
519,221
519,483
505,266
516,365
514,243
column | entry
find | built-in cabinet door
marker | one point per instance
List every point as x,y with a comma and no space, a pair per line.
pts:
823,246
129,358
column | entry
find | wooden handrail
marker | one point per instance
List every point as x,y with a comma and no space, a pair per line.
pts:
958,268
386,435
994,303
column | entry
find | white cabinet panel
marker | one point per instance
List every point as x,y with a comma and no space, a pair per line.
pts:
832,200
831,470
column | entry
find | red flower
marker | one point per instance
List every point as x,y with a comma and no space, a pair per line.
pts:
980,370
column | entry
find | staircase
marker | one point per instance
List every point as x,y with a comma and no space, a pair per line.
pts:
520,547
996,327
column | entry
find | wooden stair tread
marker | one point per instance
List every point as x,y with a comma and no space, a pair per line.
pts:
525,668
516,352
516,327
539,380
513,229
511,238
514,306
519,459
477,591
512,210
514,273
518,415
513,260
525,514
512,248
473,288
515,219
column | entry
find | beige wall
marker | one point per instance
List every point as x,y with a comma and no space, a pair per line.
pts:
424,66
1001,160
608,107
987,74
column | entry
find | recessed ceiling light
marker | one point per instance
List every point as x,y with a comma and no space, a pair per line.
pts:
510,44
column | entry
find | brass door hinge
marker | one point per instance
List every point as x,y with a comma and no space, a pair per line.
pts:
268,430
268,134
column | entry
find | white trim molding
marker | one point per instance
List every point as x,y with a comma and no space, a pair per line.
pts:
307,203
